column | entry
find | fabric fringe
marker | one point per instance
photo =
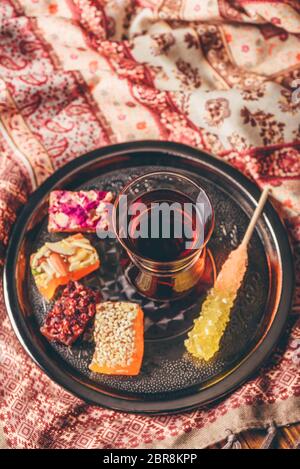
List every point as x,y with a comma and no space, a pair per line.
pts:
271,434
232,441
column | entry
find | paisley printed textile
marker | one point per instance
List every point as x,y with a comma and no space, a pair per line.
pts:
218,75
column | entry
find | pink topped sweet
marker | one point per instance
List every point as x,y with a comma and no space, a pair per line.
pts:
79,211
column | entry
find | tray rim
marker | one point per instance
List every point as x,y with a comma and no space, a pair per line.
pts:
187,402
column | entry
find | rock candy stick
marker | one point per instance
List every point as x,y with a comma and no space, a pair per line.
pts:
204,339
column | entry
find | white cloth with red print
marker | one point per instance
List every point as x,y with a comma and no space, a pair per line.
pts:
76,75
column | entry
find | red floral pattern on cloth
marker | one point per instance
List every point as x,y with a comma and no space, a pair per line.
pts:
217,75
40,414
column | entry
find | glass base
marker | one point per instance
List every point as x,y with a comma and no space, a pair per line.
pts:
171,317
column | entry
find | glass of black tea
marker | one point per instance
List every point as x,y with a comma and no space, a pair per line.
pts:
164,220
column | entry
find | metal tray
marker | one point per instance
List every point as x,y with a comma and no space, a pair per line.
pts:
170,380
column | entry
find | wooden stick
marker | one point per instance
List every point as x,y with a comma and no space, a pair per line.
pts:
256,215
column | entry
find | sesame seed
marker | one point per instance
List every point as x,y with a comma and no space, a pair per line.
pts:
113,333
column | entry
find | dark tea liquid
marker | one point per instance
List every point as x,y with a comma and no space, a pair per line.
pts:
168,259
170,235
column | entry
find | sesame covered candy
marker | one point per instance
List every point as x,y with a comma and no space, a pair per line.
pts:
118,336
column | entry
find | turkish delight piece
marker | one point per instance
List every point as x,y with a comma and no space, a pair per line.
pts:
56,263
119,338
71,314
79,211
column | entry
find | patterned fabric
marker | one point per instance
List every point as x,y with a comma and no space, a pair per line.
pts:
75,75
